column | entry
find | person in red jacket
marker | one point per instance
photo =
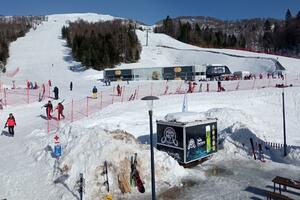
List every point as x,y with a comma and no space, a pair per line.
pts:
60,109
11,123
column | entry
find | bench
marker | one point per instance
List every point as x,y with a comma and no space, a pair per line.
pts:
277,196
285,182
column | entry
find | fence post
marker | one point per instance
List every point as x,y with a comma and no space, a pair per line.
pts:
237,86
138,90
87,106
123,90
113,96
48,125
5,102
101,100
27,95
72,107
151,88
253,84
49,91
285,78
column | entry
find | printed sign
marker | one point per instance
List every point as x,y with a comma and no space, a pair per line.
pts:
177,154
201,141
170,136
57,150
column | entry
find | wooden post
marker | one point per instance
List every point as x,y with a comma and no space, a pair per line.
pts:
151,88
27,95
72,107
123,90
101,100
113,96
5,101
87,106
253,84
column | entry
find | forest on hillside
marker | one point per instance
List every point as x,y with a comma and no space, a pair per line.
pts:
13,27
268,35
102,44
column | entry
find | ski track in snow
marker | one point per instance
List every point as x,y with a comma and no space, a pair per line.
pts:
27,167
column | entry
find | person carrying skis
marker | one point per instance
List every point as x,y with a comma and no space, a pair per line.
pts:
10,123
94,92
55,90
60,109
49,109
119,90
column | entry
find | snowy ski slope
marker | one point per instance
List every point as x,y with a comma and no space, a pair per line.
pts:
28,171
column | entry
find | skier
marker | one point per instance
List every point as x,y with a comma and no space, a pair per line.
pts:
49,83
219,86
71,86
60,109
55,90
28,85
49,109
191,87
10,123
119,90
260,76
94,92
35,85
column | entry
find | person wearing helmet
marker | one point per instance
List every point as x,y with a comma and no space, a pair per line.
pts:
10,123
94,92
49,109
60,109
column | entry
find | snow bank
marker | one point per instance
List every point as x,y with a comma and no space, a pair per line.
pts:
85,150
184,117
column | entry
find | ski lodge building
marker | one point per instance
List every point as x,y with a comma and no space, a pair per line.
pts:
189,72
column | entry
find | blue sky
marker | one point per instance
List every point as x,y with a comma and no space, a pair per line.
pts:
150,11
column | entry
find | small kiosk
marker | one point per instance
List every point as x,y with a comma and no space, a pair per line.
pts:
187,136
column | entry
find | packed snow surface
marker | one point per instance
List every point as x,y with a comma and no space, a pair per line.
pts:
29,170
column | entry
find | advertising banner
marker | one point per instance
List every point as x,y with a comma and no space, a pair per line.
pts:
201,141
171,136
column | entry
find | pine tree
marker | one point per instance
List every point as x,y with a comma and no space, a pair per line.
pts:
288,15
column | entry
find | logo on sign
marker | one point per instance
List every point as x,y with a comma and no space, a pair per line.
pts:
169,137
191,144
200,142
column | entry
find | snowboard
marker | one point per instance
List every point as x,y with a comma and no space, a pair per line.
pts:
252,147
135,179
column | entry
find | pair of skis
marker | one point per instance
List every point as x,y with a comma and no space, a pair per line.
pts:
108,196
135,179
260,151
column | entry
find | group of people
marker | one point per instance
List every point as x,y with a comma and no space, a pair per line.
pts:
49,110
31,86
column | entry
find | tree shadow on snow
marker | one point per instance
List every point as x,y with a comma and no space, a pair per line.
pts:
61,180
48,148
145,139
